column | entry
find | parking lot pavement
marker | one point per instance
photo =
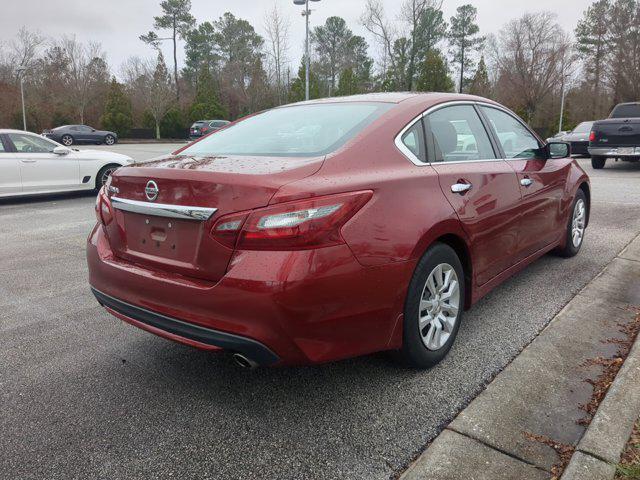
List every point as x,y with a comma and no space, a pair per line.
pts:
137,151
84,395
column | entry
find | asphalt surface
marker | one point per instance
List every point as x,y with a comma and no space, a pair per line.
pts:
83,395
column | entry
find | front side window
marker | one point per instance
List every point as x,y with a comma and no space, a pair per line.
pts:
295,131
516,140
459,135
26,143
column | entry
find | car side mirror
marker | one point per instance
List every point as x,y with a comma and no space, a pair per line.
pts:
558,150
60,150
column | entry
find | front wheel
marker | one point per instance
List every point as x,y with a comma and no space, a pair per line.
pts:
598,162
104,174
576,226
433,308
67,140
109,140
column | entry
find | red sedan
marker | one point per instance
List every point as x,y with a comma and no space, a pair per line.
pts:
334,228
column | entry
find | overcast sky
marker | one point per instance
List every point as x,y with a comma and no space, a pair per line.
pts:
116,24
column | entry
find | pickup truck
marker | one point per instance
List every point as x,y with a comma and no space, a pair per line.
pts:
616,137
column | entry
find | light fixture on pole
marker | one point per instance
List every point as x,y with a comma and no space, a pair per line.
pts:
20,72
306,14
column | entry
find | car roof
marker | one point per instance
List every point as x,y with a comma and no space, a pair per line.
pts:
399,97
11,130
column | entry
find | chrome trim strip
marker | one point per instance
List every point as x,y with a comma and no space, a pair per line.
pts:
416,161
163,209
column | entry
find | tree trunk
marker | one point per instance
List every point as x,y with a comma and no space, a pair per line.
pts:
175,61
157,130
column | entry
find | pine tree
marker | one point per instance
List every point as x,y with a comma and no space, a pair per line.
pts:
591,35
296,93
118,116
206,104
348,83
480,84
465,40
434,74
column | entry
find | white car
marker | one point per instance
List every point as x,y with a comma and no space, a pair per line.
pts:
31,164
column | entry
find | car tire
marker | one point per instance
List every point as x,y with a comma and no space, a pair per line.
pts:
598,162
67,140
104,174
576,226
109,140
433,308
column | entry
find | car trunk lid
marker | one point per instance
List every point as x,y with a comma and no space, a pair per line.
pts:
156,229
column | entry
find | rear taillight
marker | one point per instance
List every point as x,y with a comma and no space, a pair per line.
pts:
592,136
103,208
303,224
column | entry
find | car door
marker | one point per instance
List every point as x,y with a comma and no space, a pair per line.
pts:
42,170
542,181
10,181
85,134
482,188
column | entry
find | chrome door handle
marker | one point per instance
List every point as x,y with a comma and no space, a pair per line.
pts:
526,182
28,161
461,187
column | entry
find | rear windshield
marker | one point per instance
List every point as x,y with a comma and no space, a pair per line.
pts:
295,131
630,110
584,127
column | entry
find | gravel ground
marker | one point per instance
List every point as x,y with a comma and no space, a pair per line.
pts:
83,395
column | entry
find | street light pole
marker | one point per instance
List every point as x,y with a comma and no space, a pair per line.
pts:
24,115
561,108
307,65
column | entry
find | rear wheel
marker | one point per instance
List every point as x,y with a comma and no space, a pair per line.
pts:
67,140
576,226
104,174
109,140
598,162
433,308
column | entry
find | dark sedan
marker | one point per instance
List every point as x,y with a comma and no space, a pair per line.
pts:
203,127
578,138
70,134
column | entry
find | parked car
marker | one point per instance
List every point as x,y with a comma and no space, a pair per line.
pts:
203,127
334,228
31,164
74,134
578,138
616,137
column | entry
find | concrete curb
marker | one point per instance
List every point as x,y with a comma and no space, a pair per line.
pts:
601,446
528,418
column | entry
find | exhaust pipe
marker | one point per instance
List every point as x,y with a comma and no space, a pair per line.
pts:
244,362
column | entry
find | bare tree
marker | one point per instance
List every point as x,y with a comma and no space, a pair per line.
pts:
24,50
375,22
534,56
83,63
277,28
155,87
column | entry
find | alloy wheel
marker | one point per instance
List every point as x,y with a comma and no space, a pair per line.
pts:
109,140
578,223
106,174
439,306
67,140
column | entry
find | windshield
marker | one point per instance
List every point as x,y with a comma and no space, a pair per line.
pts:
295,131
584,127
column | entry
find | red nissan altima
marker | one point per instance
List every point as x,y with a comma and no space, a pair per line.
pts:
334,228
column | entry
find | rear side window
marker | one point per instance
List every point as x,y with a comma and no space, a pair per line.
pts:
218,124
413,140
459,135
516,140
295,131
629,110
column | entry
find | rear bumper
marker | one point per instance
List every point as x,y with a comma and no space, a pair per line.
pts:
174,328
297,307
614,151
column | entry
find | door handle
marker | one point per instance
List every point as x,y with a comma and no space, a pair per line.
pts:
28,161
526,182
461,187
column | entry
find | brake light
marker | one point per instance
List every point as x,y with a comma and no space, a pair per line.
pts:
592,136
303,224
103,208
